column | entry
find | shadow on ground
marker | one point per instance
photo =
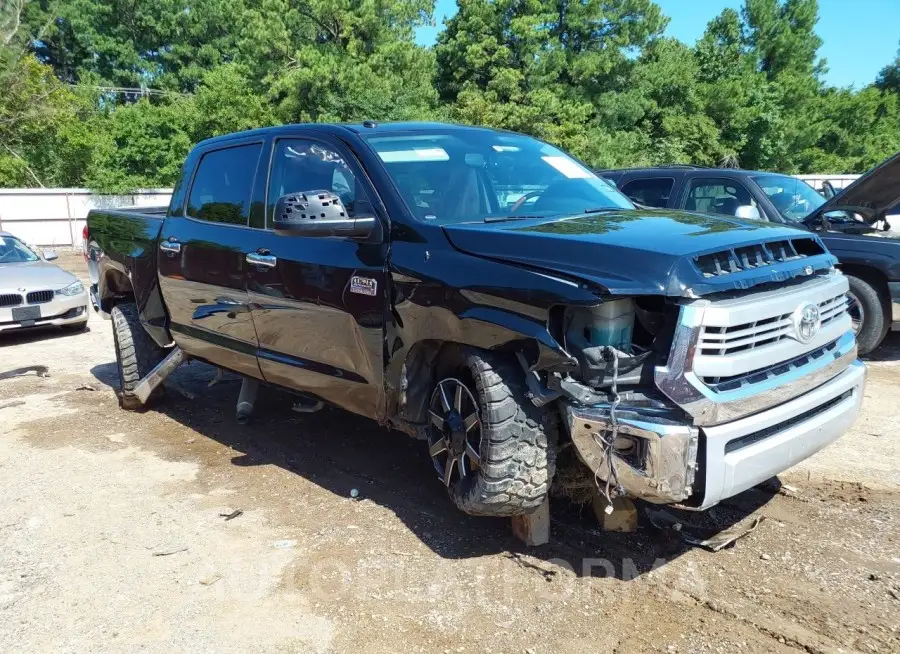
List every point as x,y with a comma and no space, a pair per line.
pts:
34,334
889,350
340,451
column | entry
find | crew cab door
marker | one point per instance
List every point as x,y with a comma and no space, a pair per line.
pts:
318,303
202,258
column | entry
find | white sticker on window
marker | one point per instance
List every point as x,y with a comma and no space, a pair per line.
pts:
569,168
414,154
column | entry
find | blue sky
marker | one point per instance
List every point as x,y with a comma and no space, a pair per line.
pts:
860,36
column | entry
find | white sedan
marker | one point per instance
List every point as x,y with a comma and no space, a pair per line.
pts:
35,292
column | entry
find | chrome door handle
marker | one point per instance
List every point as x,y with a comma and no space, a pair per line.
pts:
262,260
170,246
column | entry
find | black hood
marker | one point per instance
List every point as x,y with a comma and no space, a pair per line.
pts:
871,196
650,252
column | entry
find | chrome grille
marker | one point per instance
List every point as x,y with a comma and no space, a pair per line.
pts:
10,300
733,355
39,297
757,255
747,336
722,384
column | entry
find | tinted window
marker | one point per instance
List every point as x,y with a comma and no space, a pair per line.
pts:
652,192
717,196
459,175
300,165
222,185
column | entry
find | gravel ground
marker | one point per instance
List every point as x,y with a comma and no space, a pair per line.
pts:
113,538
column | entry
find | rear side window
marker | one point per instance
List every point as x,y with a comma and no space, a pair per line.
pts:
717,195
223,184
652,192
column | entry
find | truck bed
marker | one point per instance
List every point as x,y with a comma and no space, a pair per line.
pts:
122,247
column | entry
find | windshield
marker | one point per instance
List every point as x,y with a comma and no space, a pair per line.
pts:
459,175
12,250
794,198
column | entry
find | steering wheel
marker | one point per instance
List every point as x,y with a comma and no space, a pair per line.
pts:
522,200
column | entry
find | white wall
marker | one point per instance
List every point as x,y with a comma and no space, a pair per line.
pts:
837,181
56,217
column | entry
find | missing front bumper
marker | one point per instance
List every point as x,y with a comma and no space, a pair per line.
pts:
658,458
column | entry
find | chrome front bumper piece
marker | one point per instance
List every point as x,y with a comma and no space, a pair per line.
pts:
735,455
662,451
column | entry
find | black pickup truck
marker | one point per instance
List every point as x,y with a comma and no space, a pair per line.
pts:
846,223
485,292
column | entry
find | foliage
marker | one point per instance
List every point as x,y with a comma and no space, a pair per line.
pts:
113,93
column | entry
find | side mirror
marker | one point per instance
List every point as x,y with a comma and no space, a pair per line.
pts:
50,255
748,212
828,191
318,213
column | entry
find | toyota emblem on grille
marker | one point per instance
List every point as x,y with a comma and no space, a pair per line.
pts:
806,322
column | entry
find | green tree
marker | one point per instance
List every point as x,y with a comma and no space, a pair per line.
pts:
889,77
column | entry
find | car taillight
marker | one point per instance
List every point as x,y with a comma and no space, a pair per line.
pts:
84,242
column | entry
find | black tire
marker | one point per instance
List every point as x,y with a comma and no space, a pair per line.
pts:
518,441
136,355
874,325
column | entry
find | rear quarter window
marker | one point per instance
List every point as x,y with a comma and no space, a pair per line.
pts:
653,192
222,186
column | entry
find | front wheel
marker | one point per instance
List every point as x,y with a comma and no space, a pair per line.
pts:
492,448
868,314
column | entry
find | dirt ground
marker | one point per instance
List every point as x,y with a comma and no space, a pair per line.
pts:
112,535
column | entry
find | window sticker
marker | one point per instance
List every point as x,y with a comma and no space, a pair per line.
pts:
569,168
415,154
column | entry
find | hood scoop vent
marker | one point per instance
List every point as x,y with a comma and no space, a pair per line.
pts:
758,255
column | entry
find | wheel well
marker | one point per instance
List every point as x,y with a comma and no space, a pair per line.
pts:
431,360
116,287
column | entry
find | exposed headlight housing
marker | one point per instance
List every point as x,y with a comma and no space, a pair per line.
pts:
75,288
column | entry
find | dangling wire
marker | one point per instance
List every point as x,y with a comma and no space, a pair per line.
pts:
607,445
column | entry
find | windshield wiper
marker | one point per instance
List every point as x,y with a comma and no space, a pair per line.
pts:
503,219
604,209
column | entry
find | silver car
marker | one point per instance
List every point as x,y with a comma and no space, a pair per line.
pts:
35,292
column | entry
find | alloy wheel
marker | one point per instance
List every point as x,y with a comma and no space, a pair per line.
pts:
454,434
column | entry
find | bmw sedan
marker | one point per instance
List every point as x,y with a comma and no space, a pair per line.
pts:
35,292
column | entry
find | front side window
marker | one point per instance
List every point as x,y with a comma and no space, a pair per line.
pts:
652,192
301,165
223,185
722,196
462,175
793,198
12,250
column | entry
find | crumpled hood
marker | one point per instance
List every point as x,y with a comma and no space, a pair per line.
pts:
33,276
639,252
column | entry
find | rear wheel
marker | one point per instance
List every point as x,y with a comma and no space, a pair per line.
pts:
494,451
867,312
136,355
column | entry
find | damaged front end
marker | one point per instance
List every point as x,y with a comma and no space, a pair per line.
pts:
690,400
633,440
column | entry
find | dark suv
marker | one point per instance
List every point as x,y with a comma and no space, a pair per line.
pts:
869,256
